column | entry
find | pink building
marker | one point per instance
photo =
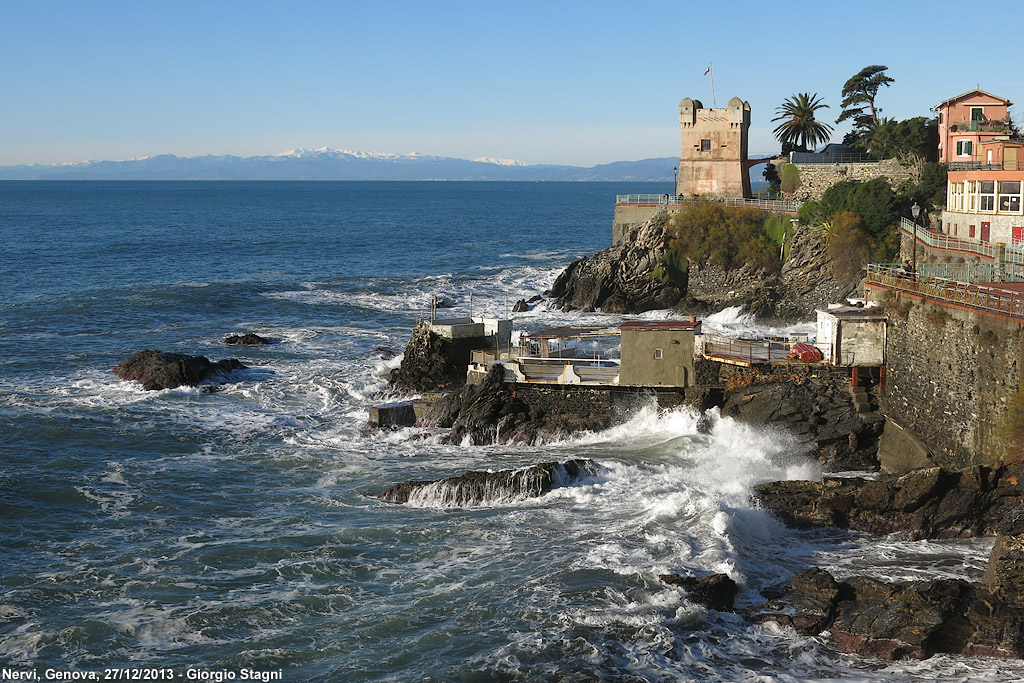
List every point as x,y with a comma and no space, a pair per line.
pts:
967,122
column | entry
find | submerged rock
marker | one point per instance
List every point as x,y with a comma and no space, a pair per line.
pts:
162,370
475,488
247,339
715,592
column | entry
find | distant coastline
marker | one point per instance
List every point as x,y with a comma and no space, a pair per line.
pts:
327,164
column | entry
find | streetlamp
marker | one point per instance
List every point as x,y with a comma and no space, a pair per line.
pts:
675,182
915,211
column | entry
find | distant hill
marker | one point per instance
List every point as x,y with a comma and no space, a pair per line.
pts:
332,164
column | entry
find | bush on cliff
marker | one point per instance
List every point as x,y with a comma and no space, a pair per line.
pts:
726,236
848,245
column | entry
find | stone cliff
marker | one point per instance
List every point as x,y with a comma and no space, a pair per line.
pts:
619,280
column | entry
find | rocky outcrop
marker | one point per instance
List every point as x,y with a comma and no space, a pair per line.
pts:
162,370
618,279
476,488
717,592
812,402
247,339
903,620
431,362
490,412
927,503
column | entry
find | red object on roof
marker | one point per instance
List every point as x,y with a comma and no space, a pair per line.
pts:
805,352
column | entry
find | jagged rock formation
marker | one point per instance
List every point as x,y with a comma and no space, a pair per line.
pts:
925,503
618,279
490,412
162,370
906,620
247,339
814,403
475,488
430,363
717,592
807,281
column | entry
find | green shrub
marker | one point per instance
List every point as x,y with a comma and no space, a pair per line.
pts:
847,244
726,236
790,178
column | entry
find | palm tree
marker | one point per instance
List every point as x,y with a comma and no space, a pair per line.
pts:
798,129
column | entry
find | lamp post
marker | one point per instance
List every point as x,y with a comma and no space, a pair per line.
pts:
675,181
915,211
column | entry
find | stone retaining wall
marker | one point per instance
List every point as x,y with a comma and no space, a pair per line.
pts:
816,178
949,376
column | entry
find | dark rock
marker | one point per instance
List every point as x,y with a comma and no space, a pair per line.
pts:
161,370
248,339
535,299
430,363
384,353
927,503
717,592
491,412
618,279
807,604
474,488
521,306
814,403
904,621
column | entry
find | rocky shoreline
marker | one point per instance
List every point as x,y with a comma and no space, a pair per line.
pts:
843,430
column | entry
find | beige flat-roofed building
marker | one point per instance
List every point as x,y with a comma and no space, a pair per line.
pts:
658,353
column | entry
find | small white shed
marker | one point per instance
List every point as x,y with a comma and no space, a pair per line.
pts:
852,335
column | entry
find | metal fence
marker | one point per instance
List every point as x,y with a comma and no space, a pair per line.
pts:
668,200
754,351
812,158
1004,302
1014,253
1010,165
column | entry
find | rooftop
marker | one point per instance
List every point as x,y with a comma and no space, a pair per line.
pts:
660,325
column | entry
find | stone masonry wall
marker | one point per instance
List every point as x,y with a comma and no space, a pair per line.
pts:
816,178
948,378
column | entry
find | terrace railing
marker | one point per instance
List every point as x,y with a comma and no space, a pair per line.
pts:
754,351
987,298
812,158
1012,253
668,200
1010,165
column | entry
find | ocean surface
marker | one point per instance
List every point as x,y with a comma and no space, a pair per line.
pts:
215,535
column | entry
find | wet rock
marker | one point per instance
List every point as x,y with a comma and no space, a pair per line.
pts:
248,339
521,306
384,353
926,503
162,370
813,403
903,621
717,592
475,488
536,298
491,412
431,363
807,603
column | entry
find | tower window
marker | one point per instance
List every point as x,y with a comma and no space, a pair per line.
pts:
705,145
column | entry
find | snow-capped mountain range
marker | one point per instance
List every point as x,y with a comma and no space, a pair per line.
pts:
325,163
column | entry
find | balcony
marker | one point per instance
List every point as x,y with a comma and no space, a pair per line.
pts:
994,126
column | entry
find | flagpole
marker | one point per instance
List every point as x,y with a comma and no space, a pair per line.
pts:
711,70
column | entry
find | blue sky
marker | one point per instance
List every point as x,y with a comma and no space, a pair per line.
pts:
577,83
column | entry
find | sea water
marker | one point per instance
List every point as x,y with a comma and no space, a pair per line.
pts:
231,535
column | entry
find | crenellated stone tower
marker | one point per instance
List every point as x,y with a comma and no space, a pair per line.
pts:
713,161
